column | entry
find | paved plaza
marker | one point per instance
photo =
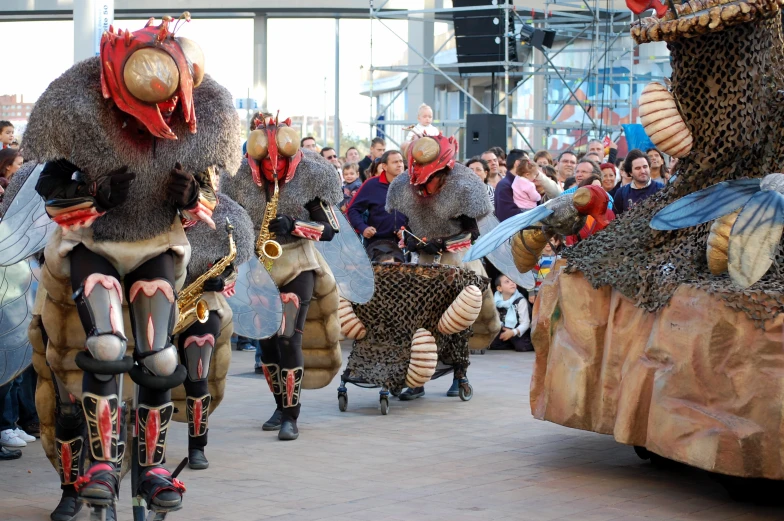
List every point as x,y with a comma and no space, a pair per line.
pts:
436,458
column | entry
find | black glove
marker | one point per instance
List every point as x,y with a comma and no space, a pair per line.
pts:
183,189
433,247
218,284
112,190
282,225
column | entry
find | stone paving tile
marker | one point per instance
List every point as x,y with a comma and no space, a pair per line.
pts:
436,458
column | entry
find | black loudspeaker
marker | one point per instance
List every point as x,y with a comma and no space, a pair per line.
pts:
484,131
479,36
543,38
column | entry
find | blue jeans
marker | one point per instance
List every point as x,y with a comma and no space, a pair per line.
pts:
19,404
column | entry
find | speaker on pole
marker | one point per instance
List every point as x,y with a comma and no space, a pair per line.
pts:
484,131
479,36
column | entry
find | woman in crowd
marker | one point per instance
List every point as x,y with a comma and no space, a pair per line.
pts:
543,158
10,161
610,178
658,164
482,169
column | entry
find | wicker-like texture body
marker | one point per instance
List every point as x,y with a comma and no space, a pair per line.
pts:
696,382
66,339
408,297
728,87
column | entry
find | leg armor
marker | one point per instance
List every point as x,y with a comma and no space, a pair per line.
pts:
69,434
296,301
270,357
153,314
152,424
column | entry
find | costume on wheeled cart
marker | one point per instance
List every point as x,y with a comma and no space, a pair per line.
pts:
289,194
123,157
443,201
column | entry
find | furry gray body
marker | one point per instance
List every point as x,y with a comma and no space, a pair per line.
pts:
208,245
463,193
314,178
72,120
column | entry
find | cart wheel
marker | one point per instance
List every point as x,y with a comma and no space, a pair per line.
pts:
384,405
466,392
342,402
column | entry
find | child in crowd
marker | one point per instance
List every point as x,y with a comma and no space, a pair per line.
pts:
523,189
351,183
6,134
545,265
425,126
516,321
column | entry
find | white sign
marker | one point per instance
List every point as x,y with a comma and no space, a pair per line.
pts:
104,17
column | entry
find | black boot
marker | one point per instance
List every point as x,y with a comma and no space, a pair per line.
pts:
196,458
273,424
69,505
288,427
100,485
412,393
162,492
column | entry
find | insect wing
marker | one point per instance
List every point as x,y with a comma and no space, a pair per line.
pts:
256,304
17,295
502,257
501,233
705,205
754,238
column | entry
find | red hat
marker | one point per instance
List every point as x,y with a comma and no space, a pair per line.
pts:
427,155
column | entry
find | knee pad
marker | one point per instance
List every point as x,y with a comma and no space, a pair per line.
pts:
162,362
153,312
291,309
198,353
99,298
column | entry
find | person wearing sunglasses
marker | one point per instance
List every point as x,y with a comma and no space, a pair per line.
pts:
330,155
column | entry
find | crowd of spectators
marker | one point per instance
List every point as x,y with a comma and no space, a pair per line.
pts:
515,182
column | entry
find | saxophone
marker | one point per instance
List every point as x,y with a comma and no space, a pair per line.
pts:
267,248
190,303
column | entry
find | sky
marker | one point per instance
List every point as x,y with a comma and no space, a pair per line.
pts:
301,53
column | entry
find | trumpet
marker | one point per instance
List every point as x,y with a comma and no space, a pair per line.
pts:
267,248
190,303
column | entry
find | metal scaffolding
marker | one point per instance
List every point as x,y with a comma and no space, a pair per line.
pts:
576,90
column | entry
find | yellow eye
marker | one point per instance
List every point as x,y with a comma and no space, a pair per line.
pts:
151,75
424,150
287,140
195,57
257,144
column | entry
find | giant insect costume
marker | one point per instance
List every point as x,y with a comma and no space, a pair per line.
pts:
124,161
662,328
443,201
289,194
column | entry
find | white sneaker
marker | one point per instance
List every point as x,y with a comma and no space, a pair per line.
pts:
8,438
22,435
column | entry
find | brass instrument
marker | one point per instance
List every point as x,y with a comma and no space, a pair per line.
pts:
267,248
190,303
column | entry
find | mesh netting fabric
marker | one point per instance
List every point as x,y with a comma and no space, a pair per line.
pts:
729,85
408,297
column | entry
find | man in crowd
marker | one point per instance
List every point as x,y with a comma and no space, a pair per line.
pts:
494,177
638,166
565,166
330,155
505,206
377,148
597,147
308,142
352,155
382,229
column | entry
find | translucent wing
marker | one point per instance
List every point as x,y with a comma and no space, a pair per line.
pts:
502,257
17,294
25,228
705,205
755,237
256,304
349,263
501,233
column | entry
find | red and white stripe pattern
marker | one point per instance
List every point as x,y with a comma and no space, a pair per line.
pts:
663,122
462,312
80,218
424,358
307,230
